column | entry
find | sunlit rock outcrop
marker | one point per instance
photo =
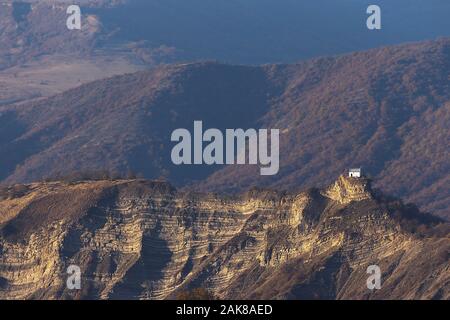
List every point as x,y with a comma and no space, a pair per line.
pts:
347,189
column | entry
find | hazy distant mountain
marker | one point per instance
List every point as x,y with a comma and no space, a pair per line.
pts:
386,110
39,56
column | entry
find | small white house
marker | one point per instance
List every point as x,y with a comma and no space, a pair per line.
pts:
354,173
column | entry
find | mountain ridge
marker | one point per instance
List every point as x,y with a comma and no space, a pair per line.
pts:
329,108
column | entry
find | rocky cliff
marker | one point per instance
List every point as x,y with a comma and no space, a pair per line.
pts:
138,239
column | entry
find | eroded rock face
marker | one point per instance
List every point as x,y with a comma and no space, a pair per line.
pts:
348,189
145,240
